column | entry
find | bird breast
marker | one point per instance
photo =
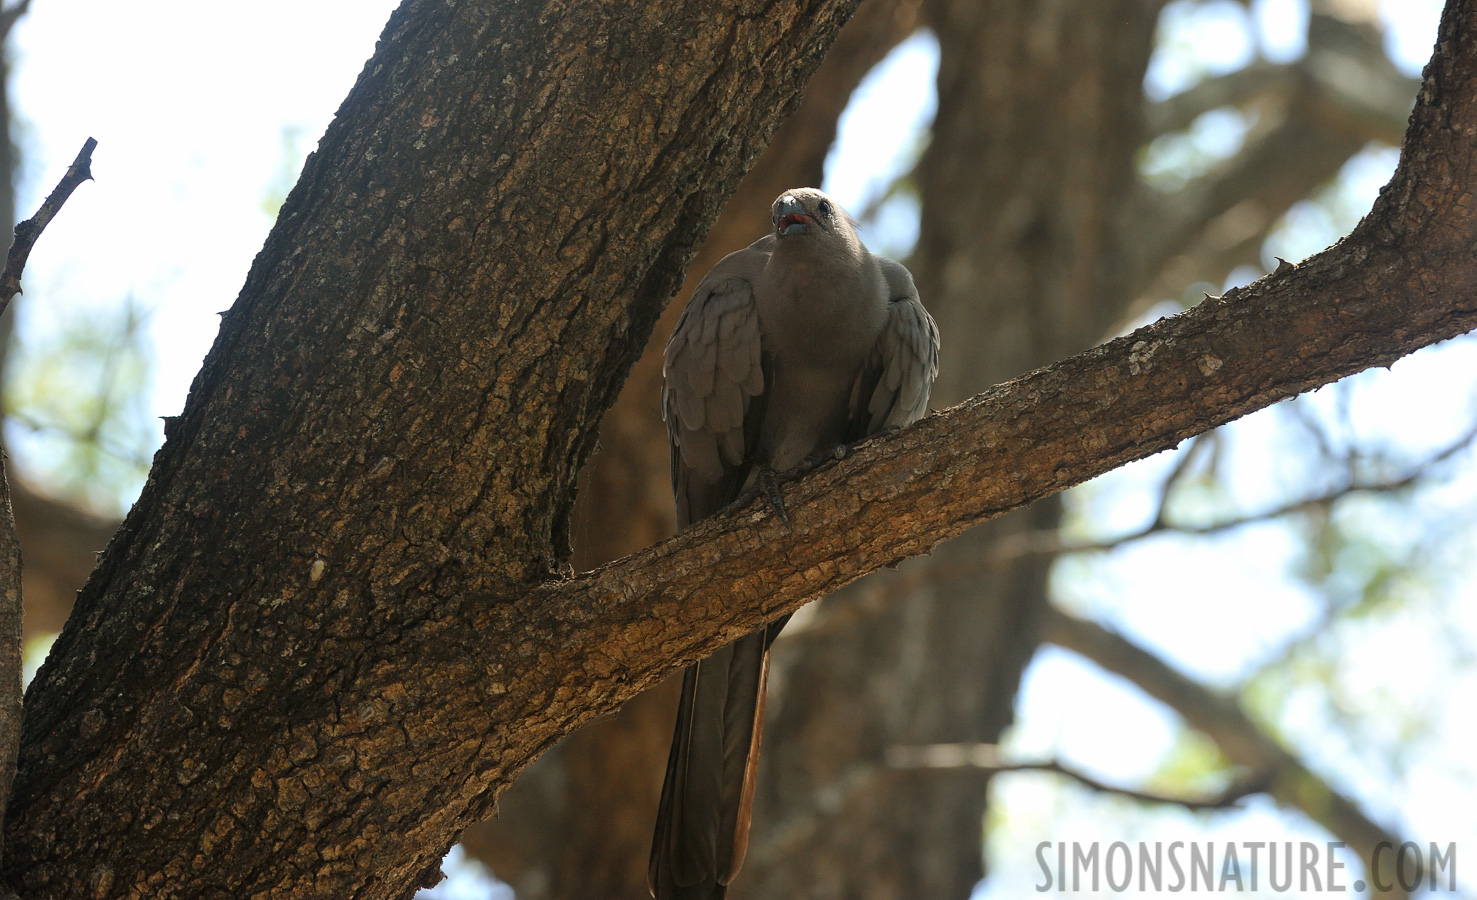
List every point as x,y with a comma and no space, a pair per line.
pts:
818,335
822,315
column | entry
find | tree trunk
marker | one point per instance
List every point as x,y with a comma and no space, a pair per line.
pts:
392,419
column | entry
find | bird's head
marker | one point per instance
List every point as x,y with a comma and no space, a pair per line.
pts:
808,212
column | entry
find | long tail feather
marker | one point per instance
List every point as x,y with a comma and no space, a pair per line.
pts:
702,826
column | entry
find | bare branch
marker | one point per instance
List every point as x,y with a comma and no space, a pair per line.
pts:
988,758
1176,475
1051,542
28,231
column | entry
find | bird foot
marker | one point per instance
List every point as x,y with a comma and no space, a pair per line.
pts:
769,482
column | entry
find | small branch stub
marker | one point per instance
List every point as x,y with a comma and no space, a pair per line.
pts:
28,231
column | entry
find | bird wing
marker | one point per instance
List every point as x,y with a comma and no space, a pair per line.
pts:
892,388
713,386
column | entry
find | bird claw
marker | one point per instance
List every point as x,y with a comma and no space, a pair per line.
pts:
769,483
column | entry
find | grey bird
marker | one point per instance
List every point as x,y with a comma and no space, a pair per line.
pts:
798,344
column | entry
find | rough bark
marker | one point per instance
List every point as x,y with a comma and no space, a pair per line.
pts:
326,635
392,418
10,646
578,822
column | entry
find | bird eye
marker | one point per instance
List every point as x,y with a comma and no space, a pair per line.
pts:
824,208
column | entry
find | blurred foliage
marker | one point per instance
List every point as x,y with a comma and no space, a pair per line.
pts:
1349,678
1171,161
1333,211
1194,767
77,400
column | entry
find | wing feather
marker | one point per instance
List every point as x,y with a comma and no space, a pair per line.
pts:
893,386
712,375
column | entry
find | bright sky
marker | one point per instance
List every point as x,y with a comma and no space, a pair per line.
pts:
203,113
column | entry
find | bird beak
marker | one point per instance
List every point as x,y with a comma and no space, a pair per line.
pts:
790,217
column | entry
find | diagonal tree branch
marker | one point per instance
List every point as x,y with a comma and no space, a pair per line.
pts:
1050,542
1363,303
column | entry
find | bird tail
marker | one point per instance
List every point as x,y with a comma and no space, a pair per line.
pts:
702,825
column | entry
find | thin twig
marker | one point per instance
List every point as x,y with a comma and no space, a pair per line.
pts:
65,432
28,231
1050,543
987,757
